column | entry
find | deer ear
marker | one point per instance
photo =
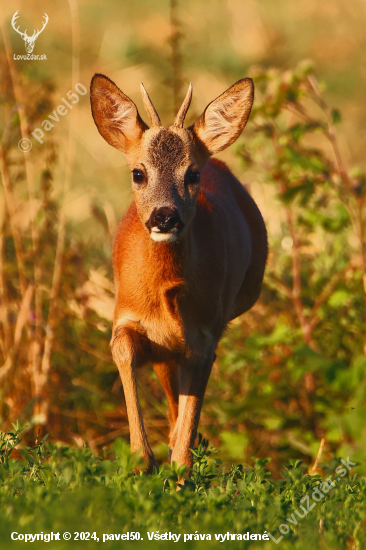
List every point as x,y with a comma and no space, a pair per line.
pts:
115,115
224,119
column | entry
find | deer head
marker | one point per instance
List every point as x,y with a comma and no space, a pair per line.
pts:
29,40
166,161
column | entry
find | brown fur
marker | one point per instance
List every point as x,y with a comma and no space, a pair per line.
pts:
174,299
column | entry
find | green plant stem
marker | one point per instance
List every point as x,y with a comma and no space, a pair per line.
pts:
9,200
4,310
41,407
357,215
176,55
35,344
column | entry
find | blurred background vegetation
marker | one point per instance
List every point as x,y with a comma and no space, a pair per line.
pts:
290,377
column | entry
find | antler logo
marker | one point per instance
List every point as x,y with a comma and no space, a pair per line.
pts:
29,40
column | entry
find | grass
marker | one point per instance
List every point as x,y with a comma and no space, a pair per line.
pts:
53,488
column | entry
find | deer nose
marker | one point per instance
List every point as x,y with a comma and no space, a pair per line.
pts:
165,219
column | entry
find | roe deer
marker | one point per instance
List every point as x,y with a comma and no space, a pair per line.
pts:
189,255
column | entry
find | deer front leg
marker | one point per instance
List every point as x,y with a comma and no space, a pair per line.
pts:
126,343
168,376
192,386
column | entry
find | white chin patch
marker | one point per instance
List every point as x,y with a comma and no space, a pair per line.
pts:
163,237
159,237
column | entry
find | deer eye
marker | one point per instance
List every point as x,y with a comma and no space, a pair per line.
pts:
193,177
138,176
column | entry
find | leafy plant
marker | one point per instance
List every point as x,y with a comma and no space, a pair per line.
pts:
75,492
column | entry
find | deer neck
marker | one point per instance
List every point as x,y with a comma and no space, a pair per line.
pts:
171,262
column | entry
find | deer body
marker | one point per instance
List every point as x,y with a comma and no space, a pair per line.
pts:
189,291
188,257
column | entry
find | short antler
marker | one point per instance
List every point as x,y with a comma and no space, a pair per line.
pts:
13,21
179,119
37,33
149,107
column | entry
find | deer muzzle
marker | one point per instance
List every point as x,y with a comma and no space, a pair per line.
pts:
164,224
